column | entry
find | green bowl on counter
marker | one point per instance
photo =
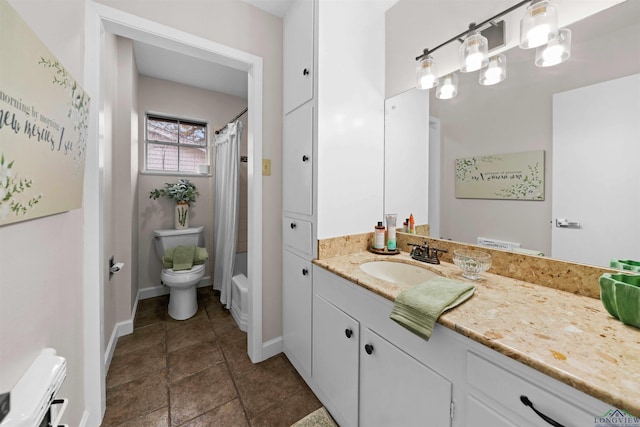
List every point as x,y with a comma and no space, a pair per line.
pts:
620,295
625,264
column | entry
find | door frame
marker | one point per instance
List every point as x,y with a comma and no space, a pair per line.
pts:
100,19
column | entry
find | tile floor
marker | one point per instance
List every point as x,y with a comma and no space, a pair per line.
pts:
196,372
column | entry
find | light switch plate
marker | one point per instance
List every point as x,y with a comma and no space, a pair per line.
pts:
266,167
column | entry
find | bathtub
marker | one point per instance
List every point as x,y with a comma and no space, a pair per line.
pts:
239,291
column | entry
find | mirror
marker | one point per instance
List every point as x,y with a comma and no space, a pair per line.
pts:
514,116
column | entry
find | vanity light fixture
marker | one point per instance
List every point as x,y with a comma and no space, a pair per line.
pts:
538,28
449,87
495,72
474,51
556,51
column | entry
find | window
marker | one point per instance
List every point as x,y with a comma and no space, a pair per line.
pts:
175,145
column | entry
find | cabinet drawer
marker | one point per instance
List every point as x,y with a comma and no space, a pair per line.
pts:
297,234
505,388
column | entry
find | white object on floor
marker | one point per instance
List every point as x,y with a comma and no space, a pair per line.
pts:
239,303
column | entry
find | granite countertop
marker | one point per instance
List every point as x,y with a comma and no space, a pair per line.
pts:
569,337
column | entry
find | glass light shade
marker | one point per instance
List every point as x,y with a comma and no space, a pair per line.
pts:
449,87
426,76
495,72
473,52
539,24
556,51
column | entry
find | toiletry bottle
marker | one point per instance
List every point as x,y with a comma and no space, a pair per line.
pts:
378,237
412,224
405,226
391,231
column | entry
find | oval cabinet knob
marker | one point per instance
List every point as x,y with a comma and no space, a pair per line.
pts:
293,225
348,332
305,72
368,348
305,271
305,158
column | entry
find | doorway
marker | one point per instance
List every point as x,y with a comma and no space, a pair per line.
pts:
100,19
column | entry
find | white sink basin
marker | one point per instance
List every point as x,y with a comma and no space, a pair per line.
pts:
396,272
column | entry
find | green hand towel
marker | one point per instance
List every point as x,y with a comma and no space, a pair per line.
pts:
167,259
200,256
418,307
183,257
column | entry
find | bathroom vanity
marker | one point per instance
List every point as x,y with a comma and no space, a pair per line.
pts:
561,351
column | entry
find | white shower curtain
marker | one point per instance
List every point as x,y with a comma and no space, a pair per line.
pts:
225,209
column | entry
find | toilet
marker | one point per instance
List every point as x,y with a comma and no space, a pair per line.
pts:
183,301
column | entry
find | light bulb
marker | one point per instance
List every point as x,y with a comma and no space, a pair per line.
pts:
552,54
538,35
449,87
427,81
474,60
556,51
495,72
426,77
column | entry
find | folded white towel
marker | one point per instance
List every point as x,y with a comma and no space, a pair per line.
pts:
527,251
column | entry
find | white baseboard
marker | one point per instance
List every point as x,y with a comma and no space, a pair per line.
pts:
156,291
271,348
121,329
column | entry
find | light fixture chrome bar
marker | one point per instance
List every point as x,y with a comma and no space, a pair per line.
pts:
472,27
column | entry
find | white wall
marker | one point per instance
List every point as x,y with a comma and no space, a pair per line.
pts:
41,269
174,99
350,116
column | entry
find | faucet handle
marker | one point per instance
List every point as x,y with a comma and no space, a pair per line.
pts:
434,253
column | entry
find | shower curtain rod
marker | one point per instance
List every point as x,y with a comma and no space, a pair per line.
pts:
232,120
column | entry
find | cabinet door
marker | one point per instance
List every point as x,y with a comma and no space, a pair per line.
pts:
335,359
297,151
397,390
296,311
297,54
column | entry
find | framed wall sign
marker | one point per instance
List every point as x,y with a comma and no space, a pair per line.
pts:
44,117
517,176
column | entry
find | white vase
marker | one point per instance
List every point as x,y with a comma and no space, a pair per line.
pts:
182,215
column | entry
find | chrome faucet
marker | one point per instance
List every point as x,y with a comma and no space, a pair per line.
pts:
425,253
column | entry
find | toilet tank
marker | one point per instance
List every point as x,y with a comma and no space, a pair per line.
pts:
171,238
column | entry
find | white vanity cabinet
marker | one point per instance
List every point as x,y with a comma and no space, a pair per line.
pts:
361,377
369,371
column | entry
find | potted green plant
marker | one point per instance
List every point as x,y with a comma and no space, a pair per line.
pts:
184,193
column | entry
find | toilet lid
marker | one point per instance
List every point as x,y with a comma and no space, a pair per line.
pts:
195,269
